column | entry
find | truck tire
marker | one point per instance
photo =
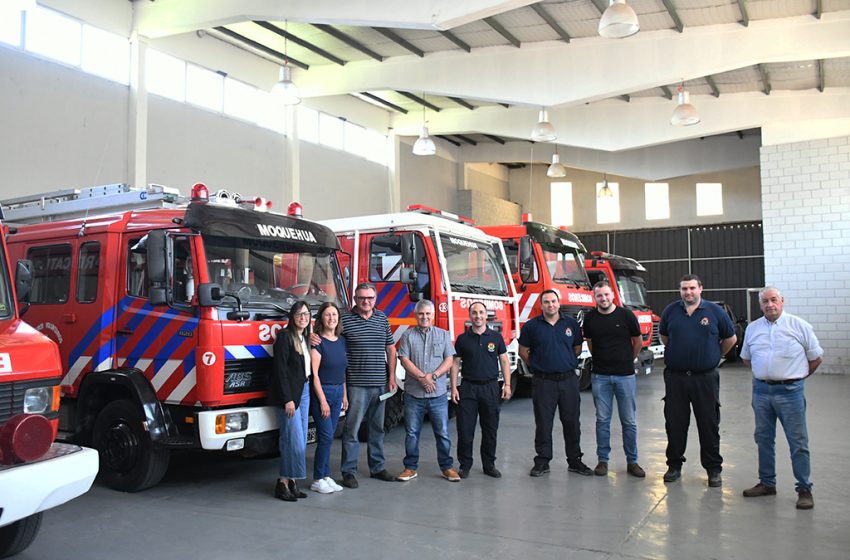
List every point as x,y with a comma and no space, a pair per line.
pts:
584,380
19,535
393,416
129,461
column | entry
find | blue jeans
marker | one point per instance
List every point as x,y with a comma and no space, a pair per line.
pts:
605,388
325,428
363,404
414,413
788,404
293,438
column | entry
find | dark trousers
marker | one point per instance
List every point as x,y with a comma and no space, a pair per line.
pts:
547,395
478,401
702,392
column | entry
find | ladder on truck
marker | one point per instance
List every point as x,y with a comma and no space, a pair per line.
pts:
87,202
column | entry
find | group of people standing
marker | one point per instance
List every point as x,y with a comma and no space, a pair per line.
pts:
351,360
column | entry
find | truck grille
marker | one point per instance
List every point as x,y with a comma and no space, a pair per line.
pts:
656,338
247,376
12,396
575,311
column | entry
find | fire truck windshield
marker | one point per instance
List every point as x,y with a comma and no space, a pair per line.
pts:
473,267
632,289
265,276
6,303
565,267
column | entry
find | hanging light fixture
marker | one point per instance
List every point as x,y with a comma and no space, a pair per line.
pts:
618,21
543,131
285,89
556,169
424,145
684,114
605,191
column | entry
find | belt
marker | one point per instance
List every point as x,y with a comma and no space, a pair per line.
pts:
691,371
553,376
780,381
478,381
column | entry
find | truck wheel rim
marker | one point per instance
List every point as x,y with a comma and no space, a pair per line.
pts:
120,447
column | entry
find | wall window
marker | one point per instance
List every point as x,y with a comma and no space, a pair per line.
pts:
355,139
377,148
561,201
308,124
240,100
331,131
165,75
87,272
709,199
657,197
53,35
51,278
10,26
273,113
608,207
106,54
204,88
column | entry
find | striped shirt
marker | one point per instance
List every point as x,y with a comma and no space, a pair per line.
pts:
366,341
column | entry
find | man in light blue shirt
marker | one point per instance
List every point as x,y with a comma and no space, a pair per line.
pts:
782,351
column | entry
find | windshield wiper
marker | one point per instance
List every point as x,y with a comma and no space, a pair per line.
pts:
470,288
565,280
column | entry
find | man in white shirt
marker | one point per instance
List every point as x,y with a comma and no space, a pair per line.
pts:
782,351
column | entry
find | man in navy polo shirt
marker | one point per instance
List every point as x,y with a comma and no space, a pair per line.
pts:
481,352
696,334
550,344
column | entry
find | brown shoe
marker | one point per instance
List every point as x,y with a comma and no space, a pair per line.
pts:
451,475
805,499
406,474
601,469
760,490
635,470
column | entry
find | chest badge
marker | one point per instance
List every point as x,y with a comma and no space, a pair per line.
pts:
568,332
491,347
704,321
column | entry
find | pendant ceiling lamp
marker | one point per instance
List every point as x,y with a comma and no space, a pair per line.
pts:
684,114
285,89
605,191
618,21
543,131
424,145
556,169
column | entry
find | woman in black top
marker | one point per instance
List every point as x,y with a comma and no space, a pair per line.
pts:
290,394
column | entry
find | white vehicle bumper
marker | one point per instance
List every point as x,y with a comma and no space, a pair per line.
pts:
657,351
67,471
256,420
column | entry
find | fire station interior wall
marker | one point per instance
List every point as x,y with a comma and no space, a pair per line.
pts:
429,180
487,210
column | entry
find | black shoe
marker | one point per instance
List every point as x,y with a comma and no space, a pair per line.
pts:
539,470
463,473
383,475
349,480
492,471
293,488
281,492
673,474
715,480
580,468
760,490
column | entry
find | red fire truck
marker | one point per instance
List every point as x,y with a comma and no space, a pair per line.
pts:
425,253
166,315
35,473
629,287
544,257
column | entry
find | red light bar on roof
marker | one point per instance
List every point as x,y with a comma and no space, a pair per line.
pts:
200,192
295,210
526,218
422,209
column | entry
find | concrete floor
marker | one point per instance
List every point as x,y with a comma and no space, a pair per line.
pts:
214,506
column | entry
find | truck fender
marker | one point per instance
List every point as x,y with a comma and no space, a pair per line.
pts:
101,387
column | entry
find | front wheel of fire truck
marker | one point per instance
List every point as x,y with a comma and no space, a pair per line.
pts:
129,461
19,535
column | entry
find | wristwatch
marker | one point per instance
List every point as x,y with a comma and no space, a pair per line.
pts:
434,377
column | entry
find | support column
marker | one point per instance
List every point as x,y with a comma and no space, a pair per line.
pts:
291,191
137,113
394,146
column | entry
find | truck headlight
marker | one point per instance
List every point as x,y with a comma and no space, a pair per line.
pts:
233,422
38,400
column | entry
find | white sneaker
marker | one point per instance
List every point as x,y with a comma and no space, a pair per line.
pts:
332,483
321,486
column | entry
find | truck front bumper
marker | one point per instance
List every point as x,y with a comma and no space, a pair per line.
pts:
248,422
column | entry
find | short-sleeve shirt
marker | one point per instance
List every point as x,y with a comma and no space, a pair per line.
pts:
782,349
366,341
694,340
426,350
551,346
611,336
480,354
334,361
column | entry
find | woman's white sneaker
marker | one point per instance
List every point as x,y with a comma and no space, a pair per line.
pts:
321,486
332,483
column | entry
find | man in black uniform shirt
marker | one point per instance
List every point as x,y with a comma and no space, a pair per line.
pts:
613,337
482,352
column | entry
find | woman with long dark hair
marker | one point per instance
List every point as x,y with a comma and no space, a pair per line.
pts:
289,392
328,399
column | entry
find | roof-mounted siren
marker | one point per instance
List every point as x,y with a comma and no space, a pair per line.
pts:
200,193
422,209
295,210
526,218
262,205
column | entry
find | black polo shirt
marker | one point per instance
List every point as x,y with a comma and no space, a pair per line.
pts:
551,345
694,341
480,354
611,335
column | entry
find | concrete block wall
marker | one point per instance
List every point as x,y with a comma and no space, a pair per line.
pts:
806,212
487,210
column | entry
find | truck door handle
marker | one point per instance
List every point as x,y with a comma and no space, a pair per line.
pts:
69,318
124,332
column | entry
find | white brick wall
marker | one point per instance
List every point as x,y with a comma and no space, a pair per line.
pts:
805,188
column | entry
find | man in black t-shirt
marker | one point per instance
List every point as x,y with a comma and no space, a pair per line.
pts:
613,337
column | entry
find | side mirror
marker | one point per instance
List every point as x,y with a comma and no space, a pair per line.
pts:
209,294
23,280
155,249
408,249
407,275
526,259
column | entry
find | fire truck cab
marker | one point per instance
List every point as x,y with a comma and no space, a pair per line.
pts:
425,253
629,287
544,257
166,315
